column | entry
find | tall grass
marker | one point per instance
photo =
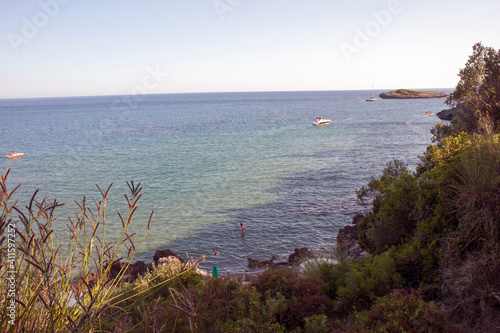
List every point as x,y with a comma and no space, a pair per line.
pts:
477,188
47,289
469,257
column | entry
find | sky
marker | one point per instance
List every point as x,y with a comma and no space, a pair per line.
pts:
58,48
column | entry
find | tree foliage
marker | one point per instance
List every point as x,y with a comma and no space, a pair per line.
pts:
478,92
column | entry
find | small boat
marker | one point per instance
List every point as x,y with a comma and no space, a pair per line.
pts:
320,121
14,155
429,113
372,99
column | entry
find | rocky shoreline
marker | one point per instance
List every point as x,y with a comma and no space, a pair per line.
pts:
347,242
167,256
347,239
412,94
294,259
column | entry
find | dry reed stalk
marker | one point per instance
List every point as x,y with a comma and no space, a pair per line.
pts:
51,290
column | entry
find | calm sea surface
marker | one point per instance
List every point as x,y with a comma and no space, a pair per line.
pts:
208,162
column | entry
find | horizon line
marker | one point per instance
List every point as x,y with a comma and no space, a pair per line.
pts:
208,92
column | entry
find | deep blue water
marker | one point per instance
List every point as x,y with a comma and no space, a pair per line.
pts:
208,162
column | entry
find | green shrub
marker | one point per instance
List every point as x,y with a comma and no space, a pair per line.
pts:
317,324
446,152
305,296
476,188
441,131
228,306
402,311
147,298
330,271
392,171
471,288
396,211
365,281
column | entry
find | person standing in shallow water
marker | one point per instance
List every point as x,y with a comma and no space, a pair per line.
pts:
242,229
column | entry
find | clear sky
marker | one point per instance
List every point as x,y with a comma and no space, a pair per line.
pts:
108,47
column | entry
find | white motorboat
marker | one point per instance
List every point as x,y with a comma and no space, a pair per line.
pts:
320,121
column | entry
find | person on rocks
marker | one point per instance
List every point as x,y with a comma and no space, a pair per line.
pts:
247,275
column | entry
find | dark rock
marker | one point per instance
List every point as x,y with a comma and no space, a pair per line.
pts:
356,218
448,113
294,259
254,263
115,269
347,239
166,253
347,235
137,268
299,255
132,271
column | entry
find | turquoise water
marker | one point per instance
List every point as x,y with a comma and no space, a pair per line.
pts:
208,162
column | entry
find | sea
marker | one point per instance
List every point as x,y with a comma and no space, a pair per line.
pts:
208,162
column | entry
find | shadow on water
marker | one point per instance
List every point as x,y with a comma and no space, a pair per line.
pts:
310,208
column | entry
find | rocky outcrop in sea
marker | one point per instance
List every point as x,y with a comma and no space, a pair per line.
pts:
412,94
294,259
448,113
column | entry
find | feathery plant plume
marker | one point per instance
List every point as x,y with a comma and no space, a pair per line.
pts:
47,290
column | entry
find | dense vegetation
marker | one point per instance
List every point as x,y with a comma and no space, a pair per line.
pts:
432,235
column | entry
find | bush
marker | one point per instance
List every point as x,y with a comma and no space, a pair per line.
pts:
305,296
228,306
476,188
397,209
147,298
402,311
330,271
365,281
317,324
441,131
471,289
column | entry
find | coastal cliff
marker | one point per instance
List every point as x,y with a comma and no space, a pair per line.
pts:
412,94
